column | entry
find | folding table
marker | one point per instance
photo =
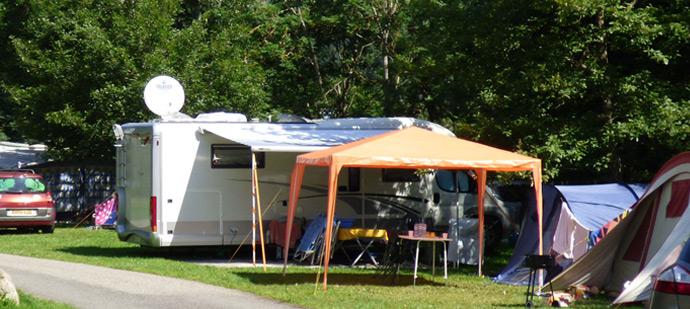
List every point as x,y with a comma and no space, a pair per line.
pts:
369,235
433,240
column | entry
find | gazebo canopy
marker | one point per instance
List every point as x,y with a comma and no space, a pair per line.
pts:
412,148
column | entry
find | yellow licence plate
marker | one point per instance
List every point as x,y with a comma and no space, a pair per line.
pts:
21,213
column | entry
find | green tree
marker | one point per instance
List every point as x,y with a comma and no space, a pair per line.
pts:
597,89
84,65
344,61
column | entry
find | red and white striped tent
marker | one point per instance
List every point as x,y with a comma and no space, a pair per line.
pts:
644,243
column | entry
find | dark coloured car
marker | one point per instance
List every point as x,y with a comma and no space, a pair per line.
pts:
25,204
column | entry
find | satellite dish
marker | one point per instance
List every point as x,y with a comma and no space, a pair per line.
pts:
164,96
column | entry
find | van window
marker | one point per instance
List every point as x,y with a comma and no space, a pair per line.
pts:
399,175
234,156
464,182
445,180
450,181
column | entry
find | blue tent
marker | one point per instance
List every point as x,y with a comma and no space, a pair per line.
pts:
571,215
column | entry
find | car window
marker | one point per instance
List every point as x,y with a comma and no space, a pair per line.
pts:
21,185
6,184
34,185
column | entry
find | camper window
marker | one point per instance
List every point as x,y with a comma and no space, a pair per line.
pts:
353,179
399,175
446,180
465,184
234,156
451,181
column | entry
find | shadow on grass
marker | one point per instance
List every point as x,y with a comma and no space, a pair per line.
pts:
354,277
135,252
20,231
170,253
333,278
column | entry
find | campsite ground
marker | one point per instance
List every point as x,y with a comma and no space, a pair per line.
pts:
349,287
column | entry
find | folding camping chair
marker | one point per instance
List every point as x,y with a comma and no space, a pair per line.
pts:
311,243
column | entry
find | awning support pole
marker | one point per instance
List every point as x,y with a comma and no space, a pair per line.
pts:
253,211
258,206
536,176
481,189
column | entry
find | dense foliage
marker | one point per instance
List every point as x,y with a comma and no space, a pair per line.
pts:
598,89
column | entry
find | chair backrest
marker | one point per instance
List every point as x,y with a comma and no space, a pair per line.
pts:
314,230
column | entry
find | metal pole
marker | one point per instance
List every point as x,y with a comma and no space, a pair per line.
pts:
253,211
258,206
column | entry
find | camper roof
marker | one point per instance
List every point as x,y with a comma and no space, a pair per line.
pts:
13,155
299,137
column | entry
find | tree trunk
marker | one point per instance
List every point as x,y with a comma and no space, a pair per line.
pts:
614,165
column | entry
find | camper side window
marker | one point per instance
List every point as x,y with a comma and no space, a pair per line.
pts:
399,175
234,156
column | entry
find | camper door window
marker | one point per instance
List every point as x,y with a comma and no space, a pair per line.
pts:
234,156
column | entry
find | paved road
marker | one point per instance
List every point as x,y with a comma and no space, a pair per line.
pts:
86,286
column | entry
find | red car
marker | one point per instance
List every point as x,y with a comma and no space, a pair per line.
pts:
24,201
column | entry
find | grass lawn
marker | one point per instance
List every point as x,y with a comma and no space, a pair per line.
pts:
27,301
348,287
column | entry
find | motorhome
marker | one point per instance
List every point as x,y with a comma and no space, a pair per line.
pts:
188,182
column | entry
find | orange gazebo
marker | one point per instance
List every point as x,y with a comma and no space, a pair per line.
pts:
412,148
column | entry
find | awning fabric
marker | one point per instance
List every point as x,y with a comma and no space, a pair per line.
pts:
278,139
412,148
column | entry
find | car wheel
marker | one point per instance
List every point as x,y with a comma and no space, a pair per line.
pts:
47,230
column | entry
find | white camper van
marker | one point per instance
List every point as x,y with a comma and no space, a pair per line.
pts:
187,182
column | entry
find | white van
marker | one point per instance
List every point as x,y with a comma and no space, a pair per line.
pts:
187,182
